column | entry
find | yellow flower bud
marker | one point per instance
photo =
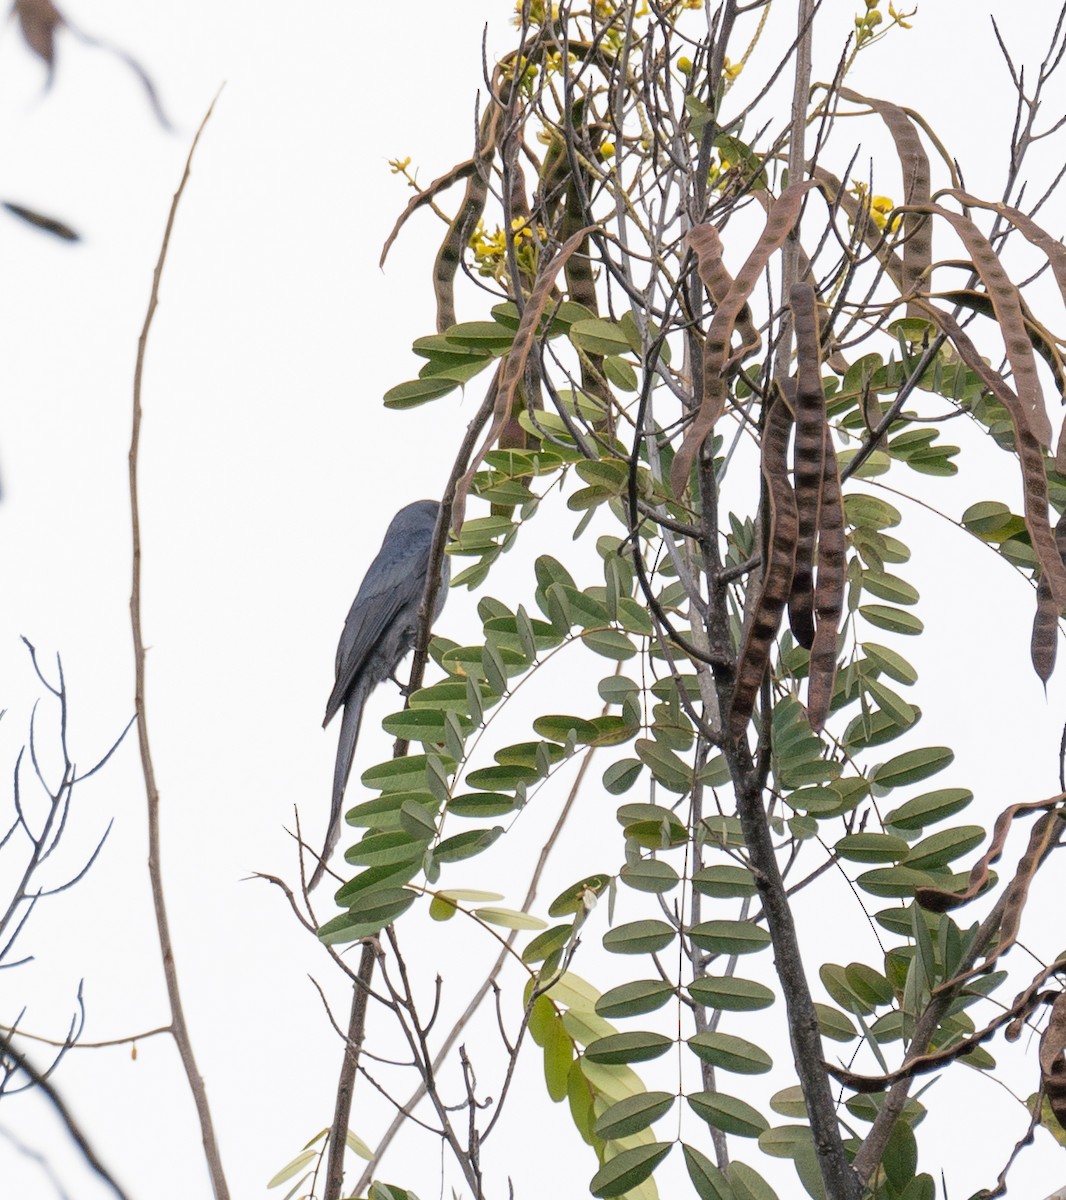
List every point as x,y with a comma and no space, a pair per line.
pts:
684,65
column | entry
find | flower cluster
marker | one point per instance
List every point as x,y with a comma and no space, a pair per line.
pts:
490,249
868,25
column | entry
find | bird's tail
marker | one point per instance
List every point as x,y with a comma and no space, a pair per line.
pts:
349,735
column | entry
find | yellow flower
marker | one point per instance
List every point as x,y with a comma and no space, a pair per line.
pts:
730,70
607,149
901,19
880,207
684,64
399,165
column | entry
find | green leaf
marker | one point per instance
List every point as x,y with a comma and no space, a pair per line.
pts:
386,849
730,993
509,918
628,1168
789,1102
986,518
481,335
727,1113
707,1179
559,729
649,875
870,512
416,725
889,587
611,643
893,882
833,1024
872,848
726,882
417,391
731,1053
929,808
482,805
383,812
639,937
912,767
836,982
633,999
502,778
633,1114
558,1059
620,373
784,1141
375,909
378,877
748,1184
465,845
401,774
893,664
574,899
597,336
546,943
668,769
620,776
943,847
290,1170
895,620
891,704
631,1047
585,1027
729,937
900,1159
868,984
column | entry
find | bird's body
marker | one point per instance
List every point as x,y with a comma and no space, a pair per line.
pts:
379,630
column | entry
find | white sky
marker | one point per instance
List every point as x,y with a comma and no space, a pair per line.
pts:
269,471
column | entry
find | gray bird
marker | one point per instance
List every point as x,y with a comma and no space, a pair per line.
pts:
379,630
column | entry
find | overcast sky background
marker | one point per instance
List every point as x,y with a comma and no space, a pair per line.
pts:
269,470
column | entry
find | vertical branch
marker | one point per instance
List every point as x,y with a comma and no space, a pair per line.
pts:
178,1027
346,1084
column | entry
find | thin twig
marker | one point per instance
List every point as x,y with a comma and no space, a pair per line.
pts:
155,872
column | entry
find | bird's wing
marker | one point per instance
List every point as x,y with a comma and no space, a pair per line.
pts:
394,583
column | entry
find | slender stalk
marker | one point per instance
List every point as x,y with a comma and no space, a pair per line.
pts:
346,1084
178,1026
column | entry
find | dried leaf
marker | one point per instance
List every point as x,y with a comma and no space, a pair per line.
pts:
1006,301
1030,454
39,20
782,217
808,458
512,368
1042,838
917,229
1045,637
707,244
1053,1059
456,240
777,576
828,590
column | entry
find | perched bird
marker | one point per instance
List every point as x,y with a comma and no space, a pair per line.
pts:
379,630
